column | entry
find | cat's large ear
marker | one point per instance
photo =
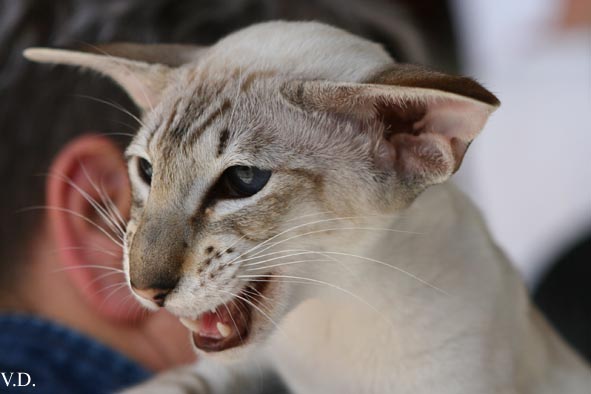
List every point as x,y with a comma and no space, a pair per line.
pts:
422,121
142,70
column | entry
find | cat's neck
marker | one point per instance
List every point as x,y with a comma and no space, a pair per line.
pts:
433,246
439,288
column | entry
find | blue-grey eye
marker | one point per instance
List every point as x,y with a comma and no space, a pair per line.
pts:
244,181
145,170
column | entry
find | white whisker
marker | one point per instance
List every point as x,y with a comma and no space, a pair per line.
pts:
118,285
256,293
74,213
233,244
113,292
116,106
100,210
101,277
103,211
288,263
242,261
299,253
286,231
308,215
301,282
108,201
232,317
328,253
88,266
87,248
257,308
131,74
321,282
332,229
119,134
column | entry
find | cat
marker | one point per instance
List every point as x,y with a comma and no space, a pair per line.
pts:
290,206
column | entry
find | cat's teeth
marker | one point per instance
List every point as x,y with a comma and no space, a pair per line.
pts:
192,325
224,329
212,310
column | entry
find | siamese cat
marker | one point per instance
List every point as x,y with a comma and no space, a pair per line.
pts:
290,206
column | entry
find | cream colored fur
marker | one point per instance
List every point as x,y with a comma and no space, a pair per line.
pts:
409,296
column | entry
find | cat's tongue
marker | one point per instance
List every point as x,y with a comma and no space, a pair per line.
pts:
212,325
217,330
226,326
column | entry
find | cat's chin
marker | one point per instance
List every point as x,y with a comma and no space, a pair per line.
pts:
232,324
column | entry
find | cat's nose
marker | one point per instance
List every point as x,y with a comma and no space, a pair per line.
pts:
156,295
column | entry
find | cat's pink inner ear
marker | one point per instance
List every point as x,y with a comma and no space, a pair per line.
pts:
423,132
426,133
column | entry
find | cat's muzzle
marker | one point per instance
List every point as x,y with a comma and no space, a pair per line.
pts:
229,324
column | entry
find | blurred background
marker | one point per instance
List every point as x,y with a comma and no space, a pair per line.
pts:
530,170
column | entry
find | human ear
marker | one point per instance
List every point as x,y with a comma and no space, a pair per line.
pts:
88,196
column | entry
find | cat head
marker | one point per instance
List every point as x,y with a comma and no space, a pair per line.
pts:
256,154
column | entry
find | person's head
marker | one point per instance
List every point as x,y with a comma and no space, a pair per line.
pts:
65,192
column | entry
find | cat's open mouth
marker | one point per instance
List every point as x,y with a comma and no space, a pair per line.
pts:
227,325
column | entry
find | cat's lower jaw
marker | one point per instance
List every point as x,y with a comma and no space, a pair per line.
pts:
229,324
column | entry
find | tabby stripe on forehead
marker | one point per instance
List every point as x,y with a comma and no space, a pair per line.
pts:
167,124
224,135
207,122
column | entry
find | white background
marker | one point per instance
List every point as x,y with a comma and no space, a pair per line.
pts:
530,170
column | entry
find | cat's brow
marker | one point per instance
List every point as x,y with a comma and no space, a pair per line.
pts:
204,95
166,125
182,128
213,115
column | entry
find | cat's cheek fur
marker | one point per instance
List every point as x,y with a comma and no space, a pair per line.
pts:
262,328
191,296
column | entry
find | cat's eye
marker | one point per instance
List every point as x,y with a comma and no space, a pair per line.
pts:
145,170
245,181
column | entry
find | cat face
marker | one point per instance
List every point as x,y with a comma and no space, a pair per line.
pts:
216,175
256,155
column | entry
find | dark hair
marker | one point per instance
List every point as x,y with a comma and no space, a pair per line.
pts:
41,107
563,295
